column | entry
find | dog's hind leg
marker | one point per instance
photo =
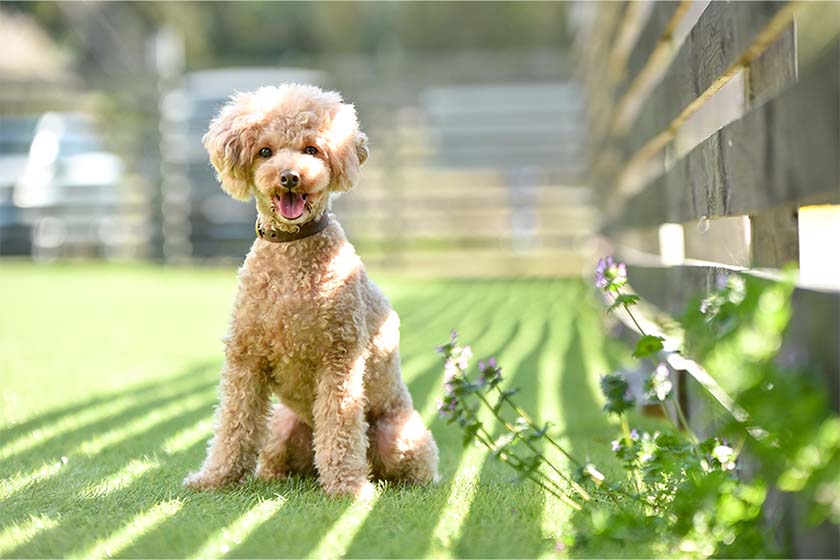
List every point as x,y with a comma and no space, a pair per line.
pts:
288,447
403,449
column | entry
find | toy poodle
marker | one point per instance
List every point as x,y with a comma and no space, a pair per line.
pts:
308,324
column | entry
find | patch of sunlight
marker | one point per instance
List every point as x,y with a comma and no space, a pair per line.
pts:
334,544
466,478
188,437
120,479
234,534
20,533
555,513
464,486
79,420
137,527
146,422
10,486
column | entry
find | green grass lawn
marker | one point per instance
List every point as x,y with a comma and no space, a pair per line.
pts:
107,389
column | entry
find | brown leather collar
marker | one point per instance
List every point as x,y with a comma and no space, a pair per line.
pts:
306,230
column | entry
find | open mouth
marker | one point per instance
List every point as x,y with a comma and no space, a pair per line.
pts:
290,204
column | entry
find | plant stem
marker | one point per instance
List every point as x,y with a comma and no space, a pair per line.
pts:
667,414
630,313
520,462
527,418
517,434
682,417
505,458
635,322
625,428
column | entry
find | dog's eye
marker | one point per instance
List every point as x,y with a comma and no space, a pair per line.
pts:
311,150
265,152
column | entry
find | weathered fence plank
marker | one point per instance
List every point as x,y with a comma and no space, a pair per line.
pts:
658,22
726,34
774,70
764,159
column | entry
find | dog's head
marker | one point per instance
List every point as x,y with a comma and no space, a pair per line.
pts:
291,147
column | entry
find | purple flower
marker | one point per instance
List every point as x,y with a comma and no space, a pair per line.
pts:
615,445
610,275
447,406
450,370
490,373
634,434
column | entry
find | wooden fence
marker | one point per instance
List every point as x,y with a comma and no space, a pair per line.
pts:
715,142
475,166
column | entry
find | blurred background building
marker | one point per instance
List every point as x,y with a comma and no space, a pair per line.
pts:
474,119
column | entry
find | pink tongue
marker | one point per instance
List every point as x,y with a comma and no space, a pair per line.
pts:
291,205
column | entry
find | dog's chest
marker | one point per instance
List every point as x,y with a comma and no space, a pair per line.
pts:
293,319
292,309
296,302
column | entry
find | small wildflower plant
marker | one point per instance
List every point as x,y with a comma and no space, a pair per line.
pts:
520,448
679,490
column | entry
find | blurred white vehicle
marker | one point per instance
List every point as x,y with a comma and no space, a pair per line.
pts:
16,133
70,187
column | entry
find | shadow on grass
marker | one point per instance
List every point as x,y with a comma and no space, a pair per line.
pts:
513,509
84,518
292,531
14,431
64,443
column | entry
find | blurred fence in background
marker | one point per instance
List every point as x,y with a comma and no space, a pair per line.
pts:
476,165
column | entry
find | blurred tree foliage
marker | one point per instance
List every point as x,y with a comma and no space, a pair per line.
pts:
105,35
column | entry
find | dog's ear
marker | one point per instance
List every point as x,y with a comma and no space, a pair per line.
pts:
231,143
347,149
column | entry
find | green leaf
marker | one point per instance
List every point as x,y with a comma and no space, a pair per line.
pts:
469,432
648,345
623,299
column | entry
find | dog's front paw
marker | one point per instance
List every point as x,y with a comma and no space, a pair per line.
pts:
360,490
268,474
203,480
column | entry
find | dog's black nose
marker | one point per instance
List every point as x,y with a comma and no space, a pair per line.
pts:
289,179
